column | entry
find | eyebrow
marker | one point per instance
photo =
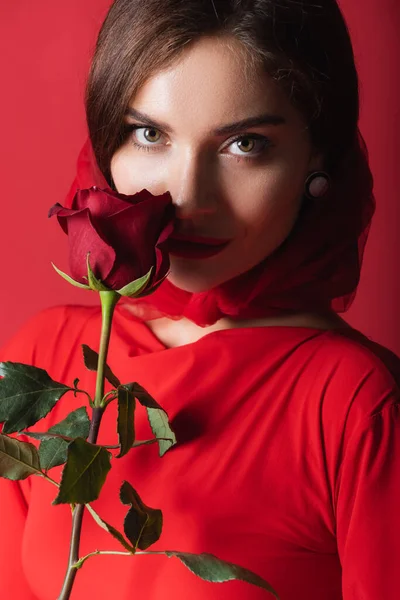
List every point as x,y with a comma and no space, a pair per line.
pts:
265,119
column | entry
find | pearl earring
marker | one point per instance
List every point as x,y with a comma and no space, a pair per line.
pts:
317,185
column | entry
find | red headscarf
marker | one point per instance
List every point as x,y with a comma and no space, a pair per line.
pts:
315,268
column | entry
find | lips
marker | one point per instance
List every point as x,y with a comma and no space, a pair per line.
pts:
195,246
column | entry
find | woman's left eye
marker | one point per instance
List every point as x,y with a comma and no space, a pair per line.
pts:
249,145
147,136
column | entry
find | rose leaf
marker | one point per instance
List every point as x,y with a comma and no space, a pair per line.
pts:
53,452
84,473
142,525
157,416
210,568
91,359
143,396
46,435
125,422
18,459
27,394
161,428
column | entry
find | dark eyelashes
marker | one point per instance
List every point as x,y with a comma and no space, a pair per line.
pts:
251,136
130,128
264,141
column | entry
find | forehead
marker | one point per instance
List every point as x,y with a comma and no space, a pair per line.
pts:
212,82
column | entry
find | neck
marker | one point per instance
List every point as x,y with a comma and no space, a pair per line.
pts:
173,333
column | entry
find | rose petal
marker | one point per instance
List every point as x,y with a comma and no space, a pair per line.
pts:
83,238
133,236
105,203
100,203
125,235
162,256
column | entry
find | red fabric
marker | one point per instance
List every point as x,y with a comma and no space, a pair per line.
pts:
318,265
288,463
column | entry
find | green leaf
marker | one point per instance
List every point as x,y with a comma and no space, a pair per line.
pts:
142,525
125,423
91,359
53,452
70,280
143,396
134,289
210,568
157,416
144,443
45,435
94,283
27,394
84,474
18,459
114,532
161,428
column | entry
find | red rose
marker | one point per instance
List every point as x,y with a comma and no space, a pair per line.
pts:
125,235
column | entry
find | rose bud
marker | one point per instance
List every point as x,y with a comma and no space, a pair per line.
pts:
115,240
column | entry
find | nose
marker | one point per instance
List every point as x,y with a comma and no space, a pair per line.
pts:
193,188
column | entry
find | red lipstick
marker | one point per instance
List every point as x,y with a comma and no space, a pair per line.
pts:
195,247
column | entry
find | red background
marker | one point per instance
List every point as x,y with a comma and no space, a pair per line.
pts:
45,48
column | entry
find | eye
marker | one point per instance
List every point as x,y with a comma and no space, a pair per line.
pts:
250,145
146,136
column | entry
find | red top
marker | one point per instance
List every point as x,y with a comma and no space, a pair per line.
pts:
288,464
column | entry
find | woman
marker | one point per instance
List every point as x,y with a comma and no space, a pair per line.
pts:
287,419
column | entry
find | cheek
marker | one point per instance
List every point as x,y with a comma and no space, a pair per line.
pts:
270,195
132,173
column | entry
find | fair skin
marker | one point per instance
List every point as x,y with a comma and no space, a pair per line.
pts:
244,185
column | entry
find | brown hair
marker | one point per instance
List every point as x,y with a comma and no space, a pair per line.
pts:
304,45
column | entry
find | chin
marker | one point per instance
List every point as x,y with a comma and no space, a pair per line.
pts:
189,285
201,276
192,283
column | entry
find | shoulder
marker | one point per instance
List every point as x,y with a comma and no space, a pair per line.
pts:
356,357
356,378
48,329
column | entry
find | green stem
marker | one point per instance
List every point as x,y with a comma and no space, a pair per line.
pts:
152,552
80,562
108,303
109,397
50,480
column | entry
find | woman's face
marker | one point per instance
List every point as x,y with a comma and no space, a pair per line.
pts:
234,154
